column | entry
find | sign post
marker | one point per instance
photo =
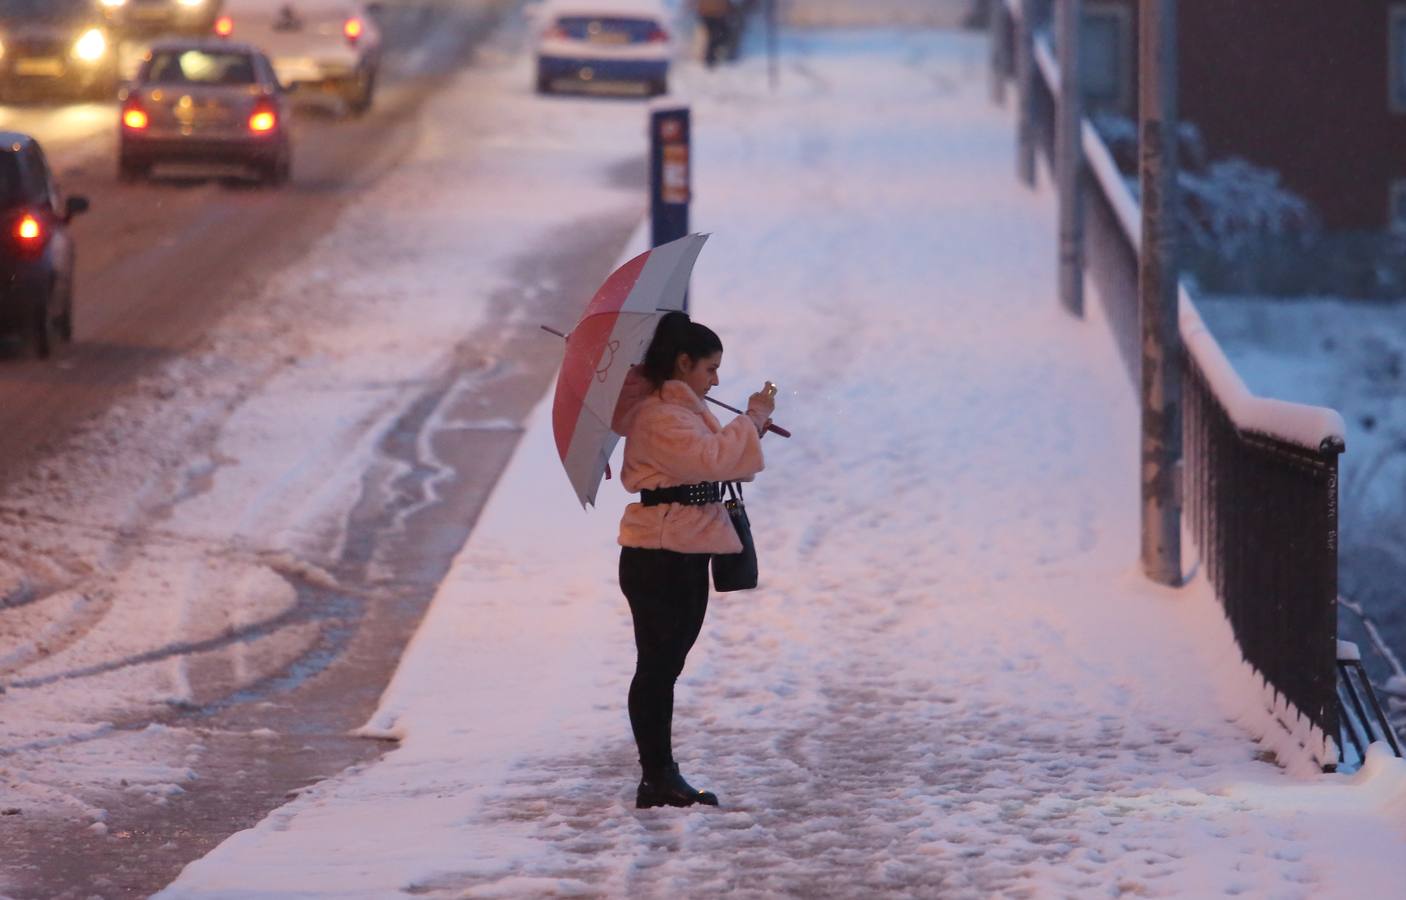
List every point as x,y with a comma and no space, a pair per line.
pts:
1069,160
669,177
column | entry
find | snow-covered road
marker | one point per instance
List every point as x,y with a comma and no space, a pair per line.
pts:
952,682
265,508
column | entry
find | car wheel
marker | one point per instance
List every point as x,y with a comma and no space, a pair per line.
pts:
280,170
64,322
129,171
43,335
362,91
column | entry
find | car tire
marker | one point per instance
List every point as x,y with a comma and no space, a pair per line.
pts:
278,172
362,92
43,335
129,171
63,323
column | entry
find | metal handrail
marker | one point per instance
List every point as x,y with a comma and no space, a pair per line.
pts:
1257,471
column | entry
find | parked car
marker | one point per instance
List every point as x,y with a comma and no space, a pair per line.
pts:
55,49
329,48
590,42
36,251
205,101
162,16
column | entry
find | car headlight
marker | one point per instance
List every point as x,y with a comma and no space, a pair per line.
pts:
190,3
91,46
114,4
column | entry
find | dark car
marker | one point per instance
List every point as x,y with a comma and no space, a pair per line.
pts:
205,101
162,16
52,49
36,252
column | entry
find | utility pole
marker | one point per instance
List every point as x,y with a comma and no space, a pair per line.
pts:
1158,292
1025,93
772,51
1000,50
1069,158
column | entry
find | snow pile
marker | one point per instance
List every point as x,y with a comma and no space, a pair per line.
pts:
951,682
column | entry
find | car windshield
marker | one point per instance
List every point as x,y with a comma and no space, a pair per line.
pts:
607,29
46,10
200,67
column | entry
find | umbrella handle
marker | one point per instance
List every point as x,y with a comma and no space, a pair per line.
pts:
774,429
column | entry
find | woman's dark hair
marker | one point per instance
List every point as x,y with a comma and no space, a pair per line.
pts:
676,333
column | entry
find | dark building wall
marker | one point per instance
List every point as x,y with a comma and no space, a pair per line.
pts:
1300,86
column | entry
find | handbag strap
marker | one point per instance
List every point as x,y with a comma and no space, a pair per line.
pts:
734,490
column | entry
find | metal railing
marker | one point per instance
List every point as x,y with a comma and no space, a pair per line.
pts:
1260,477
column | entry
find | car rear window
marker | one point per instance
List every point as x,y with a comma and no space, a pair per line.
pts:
200,67
607,29
46,10
11,187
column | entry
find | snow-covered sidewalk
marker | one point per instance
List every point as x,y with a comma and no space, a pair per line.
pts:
952,682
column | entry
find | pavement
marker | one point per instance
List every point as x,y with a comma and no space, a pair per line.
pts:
953,680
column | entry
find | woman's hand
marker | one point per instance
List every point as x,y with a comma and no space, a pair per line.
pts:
760,406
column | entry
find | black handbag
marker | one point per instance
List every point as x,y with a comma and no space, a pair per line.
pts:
736,571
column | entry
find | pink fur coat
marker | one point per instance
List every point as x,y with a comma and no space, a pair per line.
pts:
670,439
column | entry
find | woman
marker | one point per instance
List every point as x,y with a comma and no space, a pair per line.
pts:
675,454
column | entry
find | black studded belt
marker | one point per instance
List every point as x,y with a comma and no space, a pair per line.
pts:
688,494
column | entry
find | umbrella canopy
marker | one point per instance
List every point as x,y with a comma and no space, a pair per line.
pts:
613,335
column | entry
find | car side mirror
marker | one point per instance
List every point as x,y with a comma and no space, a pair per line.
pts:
75,206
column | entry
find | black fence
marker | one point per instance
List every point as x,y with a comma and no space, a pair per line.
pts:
1260,477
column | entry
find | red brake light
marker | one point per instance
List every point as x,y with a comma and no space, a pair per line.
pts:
556,33
134,117
353,28
29,231
658,34
224,26
263,120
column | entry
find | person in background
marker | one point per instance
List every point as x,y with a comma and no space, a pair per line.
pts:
717,17
676,452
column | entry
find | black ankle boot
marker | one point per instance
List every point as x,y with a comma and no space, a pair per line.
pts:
666,787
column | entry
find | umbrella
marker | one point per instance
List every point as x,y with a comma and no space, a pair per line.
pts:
613,334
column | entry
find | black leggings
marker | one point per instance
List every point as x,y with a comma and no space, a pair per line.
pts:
668,595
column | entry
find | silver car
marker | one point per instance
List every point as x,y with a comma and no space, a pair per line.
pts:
152,16
319,48
207,101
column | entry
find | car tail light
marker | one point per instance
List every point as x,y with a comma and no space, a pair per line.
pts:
134,117
224,26
557,33
29,229
658,35
29,234
353,29
263,119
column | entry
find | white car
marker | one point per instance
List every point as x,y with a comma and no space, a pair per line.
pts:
144,16
589,42
318,47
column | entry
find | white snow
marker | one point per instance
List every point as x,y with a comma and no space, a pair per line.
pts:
952,682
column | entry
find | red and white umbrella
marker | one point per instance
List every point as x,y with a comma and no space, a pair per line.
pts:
613,335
